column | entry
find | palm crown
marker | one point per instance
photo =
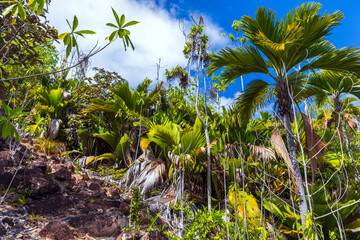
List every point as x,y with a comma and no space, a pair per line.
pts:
275,47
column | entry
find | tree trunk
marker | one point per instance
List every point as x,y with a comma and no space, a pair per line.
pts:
337,106
205,125
295,169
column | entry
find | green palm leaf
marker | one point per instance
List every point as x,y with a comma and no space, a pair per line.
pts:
238,62
257,94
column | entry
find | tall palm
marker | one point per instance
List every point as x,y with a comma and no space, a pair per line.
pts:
332,85
275,47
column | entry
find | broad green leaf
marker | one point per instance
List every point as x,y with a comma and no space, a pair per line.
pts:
116,17
6,108
113,36
67,39
130,23
40,7
31,129
122,20
68,50
62,36
8,129
15,112
110,137
355,225
101,157
79,34
74,43
85,32
15,11
122,146
8,9
112,25
75,23
30,2
22,12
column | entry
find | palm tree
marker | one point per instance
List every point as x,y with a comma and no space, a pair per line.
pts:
275,47
332,85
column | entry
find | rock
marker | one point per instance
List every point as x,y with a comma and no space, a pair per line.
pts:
9,221
131,235
113,192
56,167
5,179
144,217
82,184
5,163
36,184
57,231
150,236
52,205
39,164
99,225
85,176
27,237
5,159
62,174
85,194
94,187
124,208
2,230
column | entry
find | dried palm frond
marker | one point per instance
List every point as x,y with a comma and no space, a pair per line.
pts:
350,121
147,172
315,146
278,144
263,152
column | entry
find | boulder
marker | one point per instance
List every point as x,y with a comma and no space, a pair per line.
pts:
48,206
57,231
62,174
99,225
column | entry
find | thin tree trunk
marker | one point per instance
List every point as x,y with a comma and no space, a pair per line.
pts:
295,169
205,125
337,106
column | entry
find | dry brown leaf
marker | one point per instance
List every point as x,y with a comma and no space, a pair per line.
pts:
315,146
350,121
278,144
263,152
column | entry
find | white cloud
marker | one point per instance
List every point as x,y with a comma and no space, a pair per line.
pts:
226,102
156,36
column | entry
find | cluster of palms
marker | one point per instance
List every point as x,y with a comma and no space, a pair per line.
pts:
302,64
162,147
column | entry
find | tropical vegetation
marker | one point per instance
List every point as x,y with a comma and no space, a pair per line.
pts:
236,172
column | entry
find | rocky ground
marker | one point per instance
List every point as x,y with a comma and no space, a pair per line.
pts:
50,198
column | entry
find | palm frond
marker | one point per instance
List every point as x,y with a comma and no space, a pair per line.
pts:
99,105
110,138
263,152
127,95
345,59
147,172
238,62
257,94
